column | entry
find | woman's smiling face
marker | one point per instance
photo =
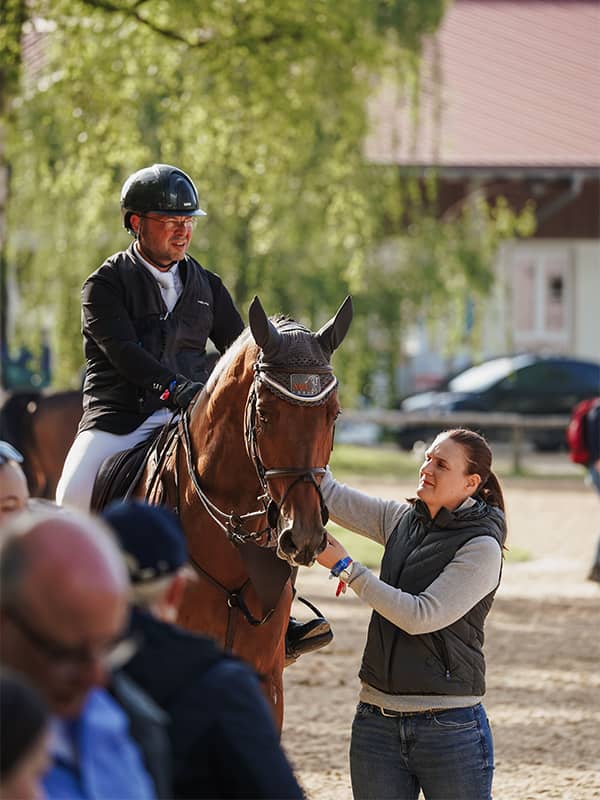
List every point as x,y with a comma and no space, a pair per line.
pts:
443,478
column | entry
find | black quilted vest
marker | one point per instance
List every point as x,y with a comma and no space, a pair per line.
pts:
449,661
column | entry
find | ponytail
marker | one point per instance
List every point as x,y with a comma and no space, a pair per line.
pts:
490,491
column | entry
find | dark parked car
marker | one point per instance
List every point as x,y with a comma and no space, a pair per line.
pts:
521,384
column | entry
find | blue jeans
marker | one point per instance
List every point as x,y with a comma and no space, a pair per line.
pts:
446,754
595,476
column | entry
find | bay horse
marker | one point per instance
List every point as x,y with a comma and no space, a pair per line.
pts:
42,426
244,474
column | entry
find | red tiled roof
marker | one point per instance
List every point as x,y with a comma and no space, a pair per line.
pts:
520,86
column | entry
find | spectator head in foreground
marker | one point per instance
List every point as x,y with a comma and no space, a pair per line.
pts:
63,604
24,739
154,548
14,491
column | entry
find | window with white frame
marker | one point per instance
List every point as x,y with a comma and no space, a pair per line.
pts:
541,287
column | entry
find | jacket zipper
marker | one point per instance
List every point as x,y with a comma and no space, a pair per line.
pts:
445,657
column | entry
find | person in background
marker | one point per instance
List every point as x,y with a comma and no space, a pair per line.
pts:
592,437
64,597
420,724
24,739
14,492
147,314
223,737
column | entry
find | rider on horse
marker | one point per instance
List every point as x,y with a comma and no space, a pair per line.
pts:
147,314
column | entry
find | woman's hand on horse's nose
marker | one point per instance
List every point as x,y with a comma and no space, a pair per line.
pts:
333,552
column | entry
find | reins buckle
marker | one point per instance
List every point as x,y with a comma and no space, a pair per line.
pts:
235,529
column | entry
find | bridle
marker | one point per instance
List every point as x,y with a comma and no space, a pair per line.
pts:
300,474
232,524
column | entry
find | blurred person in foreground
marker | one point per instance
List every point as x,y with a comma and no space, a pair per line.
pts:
14,492
24,739
223,737
64,595
420,724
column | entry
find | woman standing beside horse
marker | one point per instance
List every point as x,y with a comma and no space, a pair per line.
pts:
420,724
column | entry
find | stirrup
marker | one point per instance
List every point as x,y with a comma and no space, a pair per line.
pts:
304,637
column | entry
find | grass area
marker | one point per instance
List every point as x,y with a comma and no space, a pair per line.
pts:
373,462
514,555
364,550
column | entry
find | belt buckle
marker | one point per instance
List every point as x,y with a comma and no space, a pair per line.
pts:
385,713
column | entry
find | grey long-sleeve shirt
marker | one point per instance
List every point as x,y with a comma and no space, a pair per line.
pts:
471,575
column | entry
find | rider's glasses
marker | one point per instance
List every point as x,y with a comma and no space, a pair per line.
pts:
173,223
9,453
112,654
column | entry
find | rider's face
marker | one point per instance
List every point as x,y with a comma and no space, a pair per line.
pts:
163,239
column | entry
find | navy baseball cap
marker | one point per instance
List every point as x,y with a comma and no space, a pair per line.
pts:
151,539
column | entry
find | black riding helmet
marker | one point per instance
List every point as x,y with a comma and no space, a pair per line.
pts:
160,188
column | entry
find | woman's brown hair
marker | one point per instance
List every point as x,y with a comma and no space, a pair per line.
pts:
479,461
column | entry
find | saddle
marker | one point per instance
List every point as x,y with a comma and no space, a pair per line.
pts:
119,474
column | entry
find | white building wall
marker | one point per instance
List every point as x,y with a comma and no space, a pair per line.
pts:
587,299
547,298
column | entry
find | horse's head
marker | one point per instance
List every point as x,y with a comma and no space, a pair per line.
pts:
290,417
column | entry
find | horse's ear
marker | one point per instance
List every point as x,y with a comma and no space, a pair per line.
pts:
264,332
332,334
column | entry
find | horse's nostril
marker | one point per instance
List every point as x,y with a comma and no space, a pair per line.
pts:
286,543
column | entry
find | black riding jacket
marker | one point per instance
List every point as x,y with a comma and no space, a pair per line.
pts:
134,346
449,661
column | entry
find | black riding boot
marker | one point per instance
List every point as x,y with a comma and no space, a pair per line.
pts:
304,637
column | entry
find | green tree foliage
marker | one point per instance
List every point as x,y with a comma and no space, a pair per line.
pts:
264,104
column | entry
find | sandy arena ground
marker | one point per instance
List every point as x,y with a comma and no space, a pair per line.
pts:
543,654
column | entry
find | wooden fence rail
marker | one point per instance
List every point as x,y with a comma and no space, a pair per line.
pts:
516,423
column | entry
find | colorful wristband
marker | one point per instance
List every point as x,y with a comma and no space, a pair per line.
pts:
339,566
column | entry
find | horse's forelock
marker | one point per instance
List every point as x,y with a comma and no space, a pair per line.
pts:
297,337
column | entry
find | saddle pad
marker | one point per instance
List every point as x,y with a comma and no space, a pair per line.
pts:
117,473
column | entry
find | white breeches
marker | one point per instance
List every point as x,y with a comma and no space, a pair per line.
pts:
87,453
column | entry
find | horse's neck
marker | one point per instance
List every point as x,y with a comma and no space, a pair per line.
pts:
218,437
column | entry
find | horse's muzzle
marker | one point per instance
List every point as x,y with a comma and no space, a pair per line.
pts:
305,555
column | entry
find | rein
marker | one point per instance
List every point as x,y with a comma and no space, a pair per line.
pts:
231,524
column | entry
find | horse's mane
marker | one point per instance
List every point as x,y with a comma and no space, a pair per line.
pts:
227,359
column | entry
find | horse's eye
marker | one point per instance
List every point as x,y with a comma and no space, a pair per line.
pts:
262,415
